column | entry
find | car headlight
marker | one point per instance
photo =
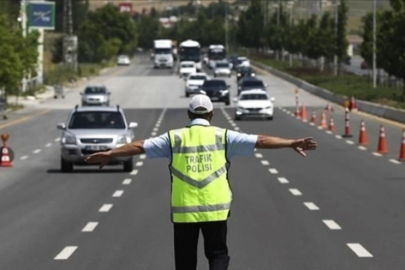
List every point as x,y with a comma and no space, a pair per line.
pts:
253,74
239,74
268,108
123,139
224,92
240,108
68,139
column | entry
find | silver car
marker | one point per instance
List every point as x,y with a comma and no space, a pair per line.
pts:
93,129
222,68
95,95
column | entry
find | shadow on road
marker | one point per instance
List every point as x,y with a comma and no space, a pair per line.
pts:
92,171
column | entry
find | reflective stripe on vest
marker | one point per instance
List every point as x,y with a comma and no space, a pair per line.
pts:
200,188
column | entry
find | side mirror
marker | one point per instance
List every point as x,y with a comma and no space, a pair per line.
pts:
235,99
272,99
133,125
61,126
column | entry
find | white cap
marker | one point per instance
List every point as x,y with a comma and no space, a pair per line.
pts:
200,104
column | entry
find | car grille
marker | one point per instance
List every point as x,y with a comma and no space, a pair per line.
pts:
96,140
89,152
253,109
213,93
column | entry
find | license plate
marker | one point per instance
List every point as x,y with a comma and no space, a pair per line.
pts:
95,147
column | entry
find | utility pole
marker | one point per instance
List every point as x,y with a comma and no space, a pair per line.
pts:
226,28
374,43
23,14
291,26
335,58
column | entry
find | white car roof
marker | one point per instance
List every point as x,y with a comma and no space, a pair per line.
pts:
253,91
187,62
198,74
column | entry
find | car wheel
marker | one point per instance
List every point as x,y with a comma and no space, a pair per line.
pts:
270,118
129,165
227,102
237,118
65,166
187,94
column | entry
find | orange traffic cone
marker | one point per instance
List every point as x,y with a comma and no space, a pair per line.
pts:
329,108
353,104
297,111
347,125
5,157
303,113
313,118
331,125
322,123
363,134
382,142
402,151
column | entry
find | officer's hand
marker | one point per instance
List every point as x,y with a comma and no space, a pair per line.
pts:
101,157
302,145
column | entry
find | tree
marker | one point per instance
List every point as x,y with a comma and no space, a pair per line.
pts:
341,39
251,28
325,38
79,14
148,31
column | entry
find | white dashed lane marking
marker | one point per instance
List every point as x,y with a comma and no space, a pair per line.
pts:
105,208
331,224
361,147
36,151
48,145
377,154
395,161
143,156
90,227
338,137
23,157
359,250
283,180
127,181
118,193
66,253
311,206
57,139
265,162
155,129
273,171
139,164
236,128
153,133
295,192
329,132
349,142
134,172
258,155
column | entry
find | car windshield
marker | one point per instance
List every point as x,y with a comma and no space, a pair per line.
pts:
254,97
245,70
222,65
97,120
123,57
197,77
215,83
95,90
187,65
253,84
241,60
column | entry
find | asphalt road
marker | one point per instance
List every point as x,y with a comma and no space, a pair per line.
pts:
340,208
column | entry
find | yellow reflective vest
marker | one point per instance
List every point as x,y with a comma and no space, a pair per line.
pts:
199,169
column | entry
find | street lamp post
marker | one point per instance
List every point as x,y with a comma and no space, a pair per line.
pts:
335,58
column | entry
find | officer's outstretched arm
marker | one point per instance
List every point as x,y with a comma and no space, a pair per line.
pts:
299,145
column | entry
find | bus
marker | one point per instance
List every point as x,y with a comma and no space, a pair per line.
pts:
190,50
215,53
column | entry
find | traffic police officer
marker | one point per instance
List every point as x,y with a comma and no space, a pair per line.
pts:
201,197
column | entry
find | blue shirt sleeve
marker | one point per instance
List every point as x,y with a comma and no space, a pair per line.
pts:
157,147
240,144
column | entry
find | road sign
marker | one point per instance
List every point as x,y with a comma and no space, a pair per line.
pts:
125,7
41,15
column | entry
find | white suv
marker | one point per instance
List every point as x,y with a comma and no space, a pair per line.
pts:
93,129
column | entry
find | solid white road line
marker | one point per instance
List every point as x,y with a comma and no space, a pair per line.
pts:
331,224
139,164
258,155
105,208
66,253
283,180
265,162
311,206
127,181
359,250
349,142
395,161
273,171
48,145
134,172
338,137
377,154
118,193
90,227
361,147
57,139
36,151
143,156
23,157
295,192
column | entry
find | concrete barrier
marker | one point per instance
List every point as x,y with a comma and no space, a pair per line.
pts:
364,106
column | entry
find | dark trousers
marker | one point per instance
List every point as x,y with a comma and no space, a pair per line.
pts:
186,241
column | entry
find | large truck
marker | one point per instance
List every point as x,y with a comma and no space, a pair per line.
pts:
216,53
190,50
162,53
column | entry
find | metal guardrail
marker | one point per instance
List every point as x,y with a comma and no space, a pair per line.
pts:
364,106
3,107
